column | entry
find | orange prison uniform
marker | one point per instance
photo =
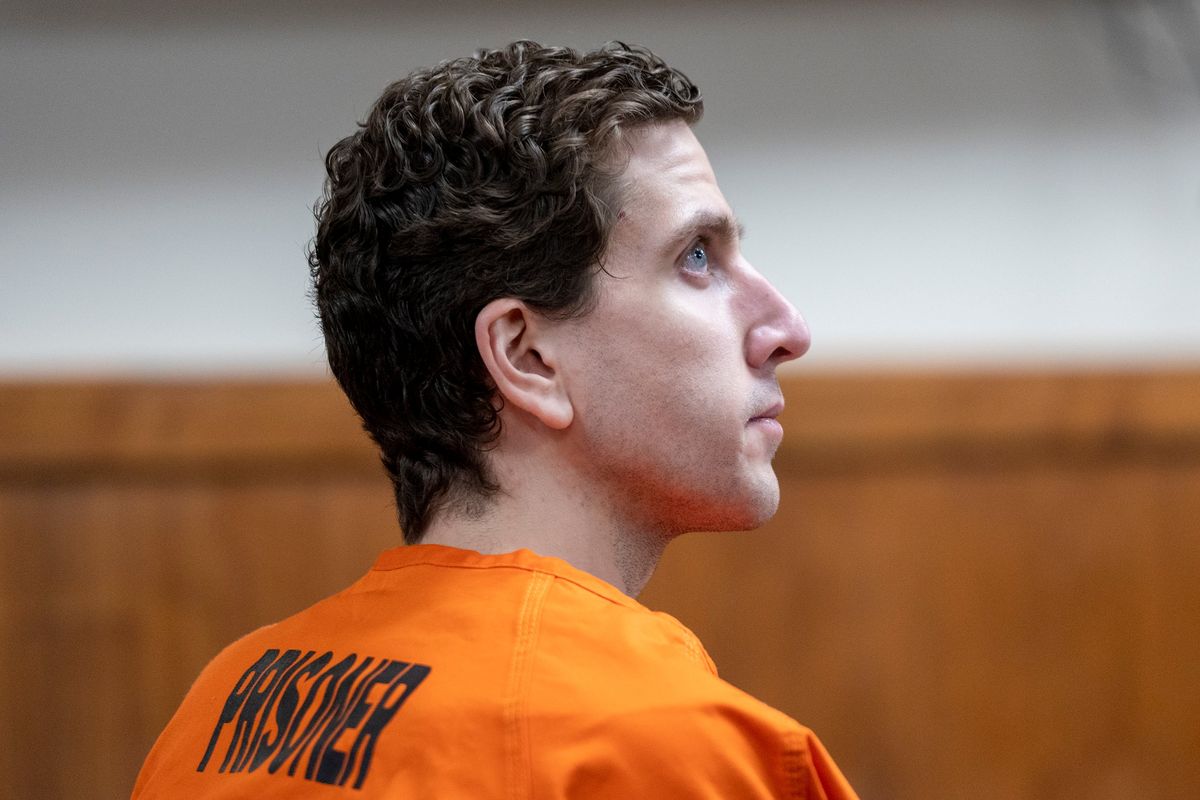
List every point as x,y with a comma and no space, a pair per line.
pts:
447,673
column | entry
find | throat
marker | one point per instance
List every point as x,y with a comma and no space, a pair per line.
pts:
635,557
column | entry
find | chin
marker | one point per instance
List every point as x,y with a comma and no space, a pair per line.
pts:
739,501
764,506
751,509
756,517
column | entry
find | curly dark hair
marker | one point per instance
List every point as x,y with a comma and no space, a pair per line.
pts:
479,178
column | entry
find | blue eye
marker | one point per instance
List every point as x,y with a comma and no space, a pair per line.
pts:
696,260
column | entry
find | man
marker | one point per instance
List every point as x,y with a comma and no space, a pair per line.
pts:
532,292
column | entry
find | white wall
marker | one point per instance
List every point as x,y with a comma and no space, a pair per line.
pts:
929,182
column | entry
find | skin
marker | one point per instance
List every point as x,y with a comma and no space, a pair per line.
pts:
653,414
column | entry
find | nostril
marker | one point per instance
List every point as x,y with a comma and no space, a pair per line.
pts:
795,342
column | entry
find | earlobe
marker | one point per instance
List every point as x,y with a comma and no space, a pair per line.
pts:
514,345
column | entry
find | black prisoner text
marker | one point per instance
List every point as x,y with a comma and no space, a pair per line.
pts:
290,709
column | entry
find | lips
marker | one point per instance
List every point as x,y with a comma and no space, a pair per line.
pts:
771,412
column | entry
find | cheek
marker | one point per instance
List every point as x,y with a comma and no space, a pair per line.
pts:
688,329
674,361
704,364
690,402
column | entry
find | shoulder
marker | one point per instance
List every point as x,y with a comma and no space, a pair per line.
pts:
625,702
719,747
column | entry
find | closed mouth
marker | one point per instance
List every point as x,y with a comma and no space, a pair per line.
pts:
770,413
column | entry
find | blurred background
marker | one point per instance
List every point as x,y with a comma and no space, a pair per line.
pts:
983,578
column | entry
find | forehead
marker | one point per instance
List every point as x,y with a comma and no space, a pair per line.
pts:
666,162
667,189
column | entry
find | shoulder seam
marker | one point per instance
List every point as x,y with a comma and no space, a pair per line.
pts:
518,749
795,766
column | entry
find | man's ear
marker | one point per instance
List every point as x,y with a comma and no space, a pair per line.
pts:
519,356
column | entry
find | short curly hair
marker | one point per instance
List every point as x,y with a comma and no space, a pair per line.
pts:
483,177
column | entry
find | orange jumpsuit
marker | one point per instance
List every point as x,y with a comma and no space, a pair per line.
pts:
447,673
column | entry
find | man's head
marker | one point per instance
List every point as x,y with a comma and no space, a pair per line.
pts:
659,404
481,178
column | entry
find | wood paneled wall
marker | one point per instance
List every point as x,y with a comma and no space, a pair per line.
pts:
977,585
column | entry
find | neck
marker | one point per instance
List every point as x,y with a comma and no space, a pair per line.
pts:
543,508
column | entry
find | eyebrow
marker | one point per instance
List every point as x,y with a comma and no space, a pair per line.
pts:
706,221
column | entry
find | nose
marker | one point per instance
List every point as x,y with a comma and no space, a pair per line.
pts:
777,333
